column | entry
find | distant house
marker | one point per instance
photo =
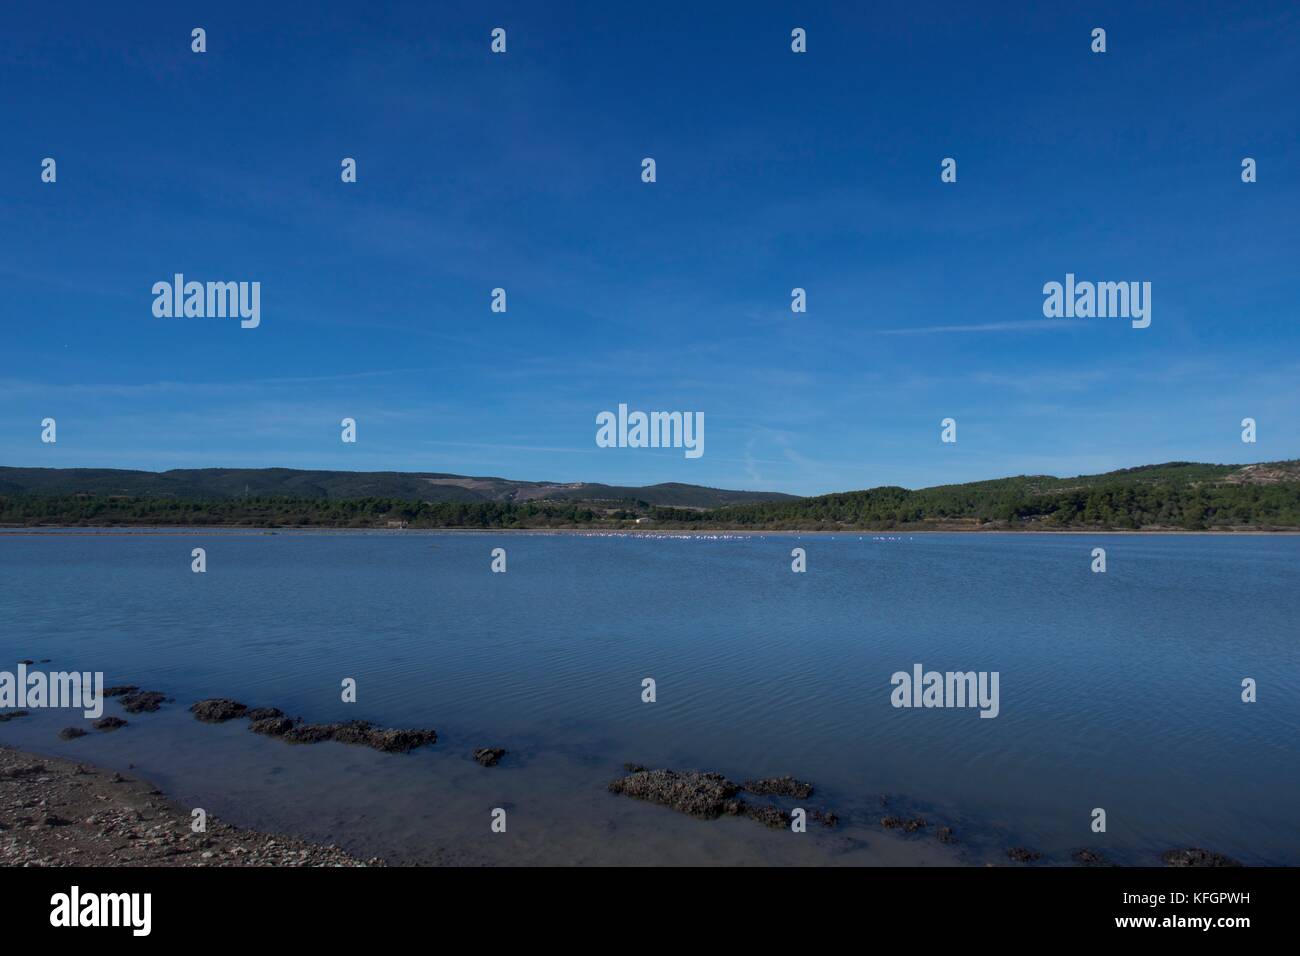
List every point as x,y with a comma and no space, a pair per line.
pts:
645,520
395,524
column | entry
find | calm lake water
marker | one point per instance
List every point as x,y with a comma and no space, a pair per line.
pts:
1119,690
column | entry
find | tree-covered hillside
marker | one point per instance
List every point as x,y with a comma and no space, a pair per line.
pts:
1172,496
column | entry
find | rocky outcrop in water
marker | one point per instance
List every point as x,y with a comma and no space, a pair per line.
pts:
786,786
1195,856
144,701
1020,854
907,826
271,722
693,792
361,732
272,726
71,733
14,715
109,723
217,710
708,796
489,756
1086,857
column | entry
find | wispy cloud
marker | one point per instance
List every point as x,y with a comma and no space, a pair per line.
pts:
1035,325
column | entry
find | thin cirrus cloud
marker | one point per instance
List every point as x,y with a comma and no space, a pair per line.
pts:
1033,325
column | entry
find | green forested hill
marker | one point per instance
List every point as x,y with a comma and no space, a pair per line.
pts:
1175,495
1170,496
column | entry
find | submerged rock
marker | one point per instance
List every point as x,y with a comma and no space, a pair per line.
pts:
71,733
117,690
945,835
137,702
1195,856
1086,857
1022,854
489,756
693,792
907,826
387,740
272,722
772,817
217,710
708,796
272,726
824,817
109,723
14,715
786,786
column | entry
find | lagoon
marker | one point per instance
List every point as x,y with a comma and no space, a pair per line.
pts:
1119,690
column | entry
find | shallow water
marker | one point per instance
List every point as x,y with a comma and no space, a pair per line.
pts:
1118,690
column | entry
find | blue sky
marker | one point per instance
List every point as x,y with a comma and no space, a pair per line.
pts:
775,170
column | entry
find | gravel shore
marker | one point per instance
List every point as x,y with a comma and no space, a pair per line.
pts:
59,813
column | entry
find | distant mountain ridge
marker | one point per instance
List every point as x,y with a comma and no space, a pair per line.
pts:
339,485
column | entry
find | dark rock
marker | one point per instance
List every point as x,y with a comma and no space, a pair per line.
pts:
71,733
907,826
824,817
1021,854
363,733
109,723
1086,857
217,710
769,816
693,792
634,767
786,786
1195,856
264,713
13,715
309,733
145,701
945,835
53,820
117,690
489,756
391,740
272,726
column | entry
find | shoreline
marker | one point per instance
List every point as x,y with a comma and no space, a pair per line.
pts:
57,812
